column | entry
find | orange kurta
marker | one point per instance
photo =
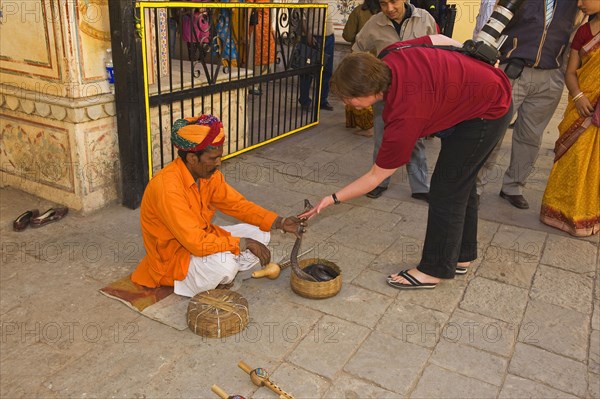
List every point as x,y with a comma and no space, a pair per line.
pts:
176,214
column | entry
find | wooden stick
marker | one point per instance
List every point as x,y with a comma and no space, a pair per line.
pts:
224,395
260,378
221,393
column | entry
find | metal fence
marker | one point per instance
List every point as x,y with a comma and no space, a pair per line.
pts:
239,62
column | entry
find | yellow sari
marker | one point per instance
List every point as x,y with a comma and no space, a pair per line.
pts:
361,118
572,198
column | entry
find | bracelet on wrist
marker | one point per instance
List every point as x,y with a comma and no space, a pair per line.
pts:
335,199
578,96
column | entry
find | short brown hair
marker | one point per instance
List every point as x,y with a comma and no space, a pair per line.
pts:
360,75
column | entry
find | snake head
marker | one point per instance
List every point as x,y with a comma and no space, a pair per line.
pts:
307,205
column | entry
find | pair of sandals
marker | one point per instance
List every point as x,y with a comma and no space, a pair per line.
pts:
414,283
34,219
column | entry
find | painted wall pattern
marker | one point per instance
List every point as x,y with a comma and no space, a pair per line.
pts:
36,151
57,118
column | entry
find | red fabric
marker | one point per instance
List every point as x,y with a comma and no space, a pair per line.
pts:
583,35
433,90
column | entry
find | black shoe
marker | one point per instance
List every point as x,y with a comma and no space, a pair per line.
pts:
255,92
326,106
421,196
376,192
518,201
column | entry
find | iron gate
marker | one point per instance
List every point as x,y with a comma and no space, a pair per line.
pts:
239,62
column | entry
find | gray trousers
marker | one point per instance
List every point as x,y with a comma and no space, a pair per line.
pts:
536,94
417,167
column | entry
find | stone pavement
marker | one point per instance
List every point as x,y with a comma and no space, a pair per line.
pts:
524,321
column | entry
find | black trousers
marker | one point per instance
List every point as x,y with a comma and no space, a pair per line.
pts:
452,220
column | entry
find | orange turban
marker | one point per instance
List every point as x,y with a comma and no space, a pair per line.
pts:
197,133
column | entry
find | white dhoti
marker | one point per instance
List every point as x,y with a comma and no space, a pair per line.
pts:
206,272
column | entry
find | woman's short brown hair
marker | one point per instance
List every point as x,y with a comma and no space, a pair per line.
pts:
360,75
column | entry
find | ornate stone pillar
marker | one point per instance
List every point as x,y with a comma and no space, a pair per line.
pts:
57,113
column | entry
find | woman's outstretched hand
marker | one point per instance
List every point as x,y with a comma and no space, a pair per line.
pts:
324,203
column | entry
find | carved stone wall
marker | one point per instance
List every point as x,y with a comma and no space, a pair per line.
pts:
57,116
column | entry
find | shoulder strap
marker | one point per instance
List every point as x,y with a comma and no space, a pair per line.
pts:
448,48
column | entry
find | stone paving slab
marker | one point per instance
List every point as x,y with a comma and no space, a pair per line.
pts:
558,330
593,385
296,381
570,254
470,362
594,355
404,253
358,237
517,387
517,241
556,371
563,288
375,281
413,323
388,362
327,348
437,382
352,303
275,328
481,332
496,300
351,260
350,387
506,266
445,297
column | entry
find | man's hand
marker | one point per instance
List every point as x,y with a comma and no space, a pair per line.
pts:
294,225
290,224
258,249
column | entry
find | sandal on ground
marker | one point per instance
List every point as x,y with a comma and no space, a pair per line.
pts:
51,215
414,284
461,270
22,221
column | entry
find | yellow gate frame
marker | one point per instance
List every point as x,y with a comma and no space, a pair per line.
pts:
141,26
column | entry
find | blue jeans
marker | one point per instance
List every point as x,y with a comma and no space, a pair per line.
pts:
417,167
452,220
306,80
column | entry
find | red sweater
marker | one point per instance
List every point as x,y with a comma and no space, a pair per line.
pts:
433,90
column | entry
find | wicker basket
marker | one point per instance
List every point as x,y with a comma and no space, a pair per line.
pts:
217,313
317,290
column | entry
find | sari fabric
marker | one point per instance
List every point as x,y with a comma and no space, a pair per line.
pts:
264,37
228,35
572,198
361,118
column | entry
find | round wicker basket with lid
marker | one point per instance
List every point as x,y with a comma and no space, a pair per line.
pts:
217,313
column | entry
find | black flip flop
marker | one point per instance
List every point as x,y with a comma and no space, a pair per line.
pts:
414,283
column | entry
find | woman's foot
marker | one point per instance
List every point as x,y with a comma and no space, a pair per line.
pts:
462,268
412,279
365,133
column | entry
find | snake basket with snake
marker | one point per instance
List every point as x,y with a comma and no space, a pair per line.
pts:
313,278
